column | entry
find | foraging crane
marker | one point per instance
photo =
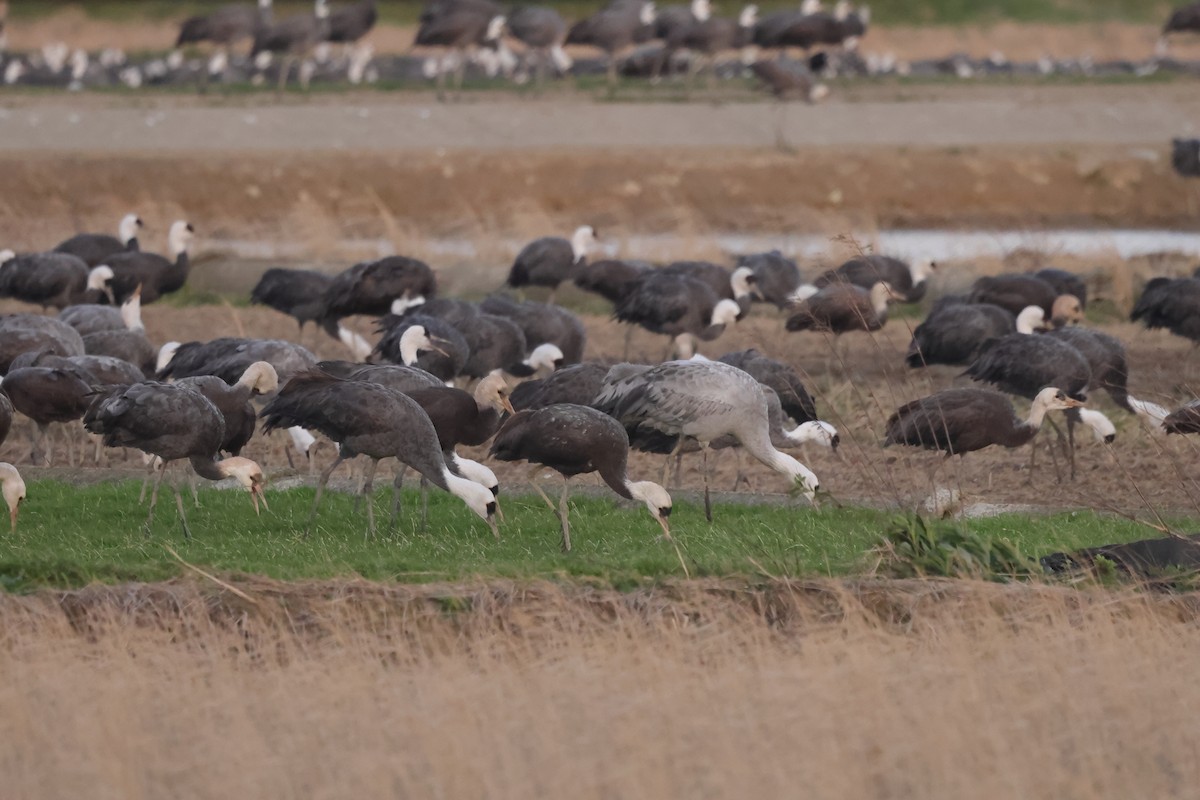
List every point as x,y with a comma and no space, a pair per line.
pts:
20,333
13,489
299,293
1173,304
578,384
678,306
47,395
842,307
542,323
543,31
1185,19
954,334
773,277
172,422
233,401
460,26
155,274
371,420
704,401
551,260
1185,419
427,342
294,37
229,358
1015,293
94,248
52,280
794,399
613,30
908,281
574,440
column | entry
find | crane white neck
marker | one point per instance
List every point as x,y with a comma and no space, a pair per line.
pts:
749,17
740,282
412,342
814,431
128,229
701,10
179,238
479,473
581,241
1030,319
131,312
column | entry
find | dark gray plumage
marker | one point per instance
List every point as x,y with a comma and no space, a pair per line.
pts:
543,31
1184,420
1173,304
371,420
294,38
233,401
610,278
228,358
496,343
373,286
94,248
954,334
775,276
679,306
1015,292
299,293
127,345
788,81
96,370
908,281
542,323
51,280
794,399
20,333
575,440
394,376
1065,283
1106,358
578,384
551,260
47,395
225,26
443,353
959,421
459,26
841,308
351,22
614,30
92,318
155,274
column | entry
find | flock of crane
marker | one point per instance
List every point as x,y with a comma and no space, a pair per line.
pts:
633,37
532,395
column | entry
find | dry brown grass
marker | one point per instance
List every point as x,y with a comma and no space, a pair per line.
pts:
820,690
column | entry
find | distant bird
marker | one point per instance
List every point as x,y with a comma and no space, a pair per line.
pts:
94,248
907,281
427,342
461,27
955,334
551,260
611,279
226,26
52,280
299,293
840,308
294,38
1173,304
172,422
958,421
613,30
1184,420
794,399
543,31
578,384
496,343
672,24
542,323
351,22
13,489
234,401
703,401
371,420
1106,358
1185,157
20,333
92,318
1065,283
775,277
709,38
680,307
1184,19
789,82
374,287
156,275
1016,292
228,358
719,279
46,396
574,440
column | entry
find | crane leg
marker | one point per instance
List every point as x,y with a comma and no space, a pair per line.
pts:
533,473
564,515
368,485
1071,445
397,485
187,532
1053,452
191,475
707,499
666,478
424,505
324,479
154,497
69,435
628,339
284,68
146,481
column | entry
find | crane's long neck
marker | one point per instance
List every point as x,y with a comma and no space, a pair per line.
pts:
207,468
176,275
1023,432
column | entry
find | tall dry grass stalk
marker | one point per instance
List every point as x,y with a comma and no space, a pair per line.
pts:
818,690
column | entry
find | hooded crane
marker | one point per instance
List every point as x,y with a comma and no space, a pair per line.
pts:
234,401
225,27
128,343
172,422
908,281
1023,365
371,420
578,384
614,30
376,288
954,334
96,370
430,343
842,307
294,37
1106,357
299,293
461,27
1183,420
351,22
228,358
52,280
47,395
725,284
1065,283
155,274
672,25
575,440
543,31
773,277
794,399
1185,19
680,307
709,38
93,318
703,401
1173,304
94,248
551,260
542,324
1017,292
20,333
612,279
959,421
